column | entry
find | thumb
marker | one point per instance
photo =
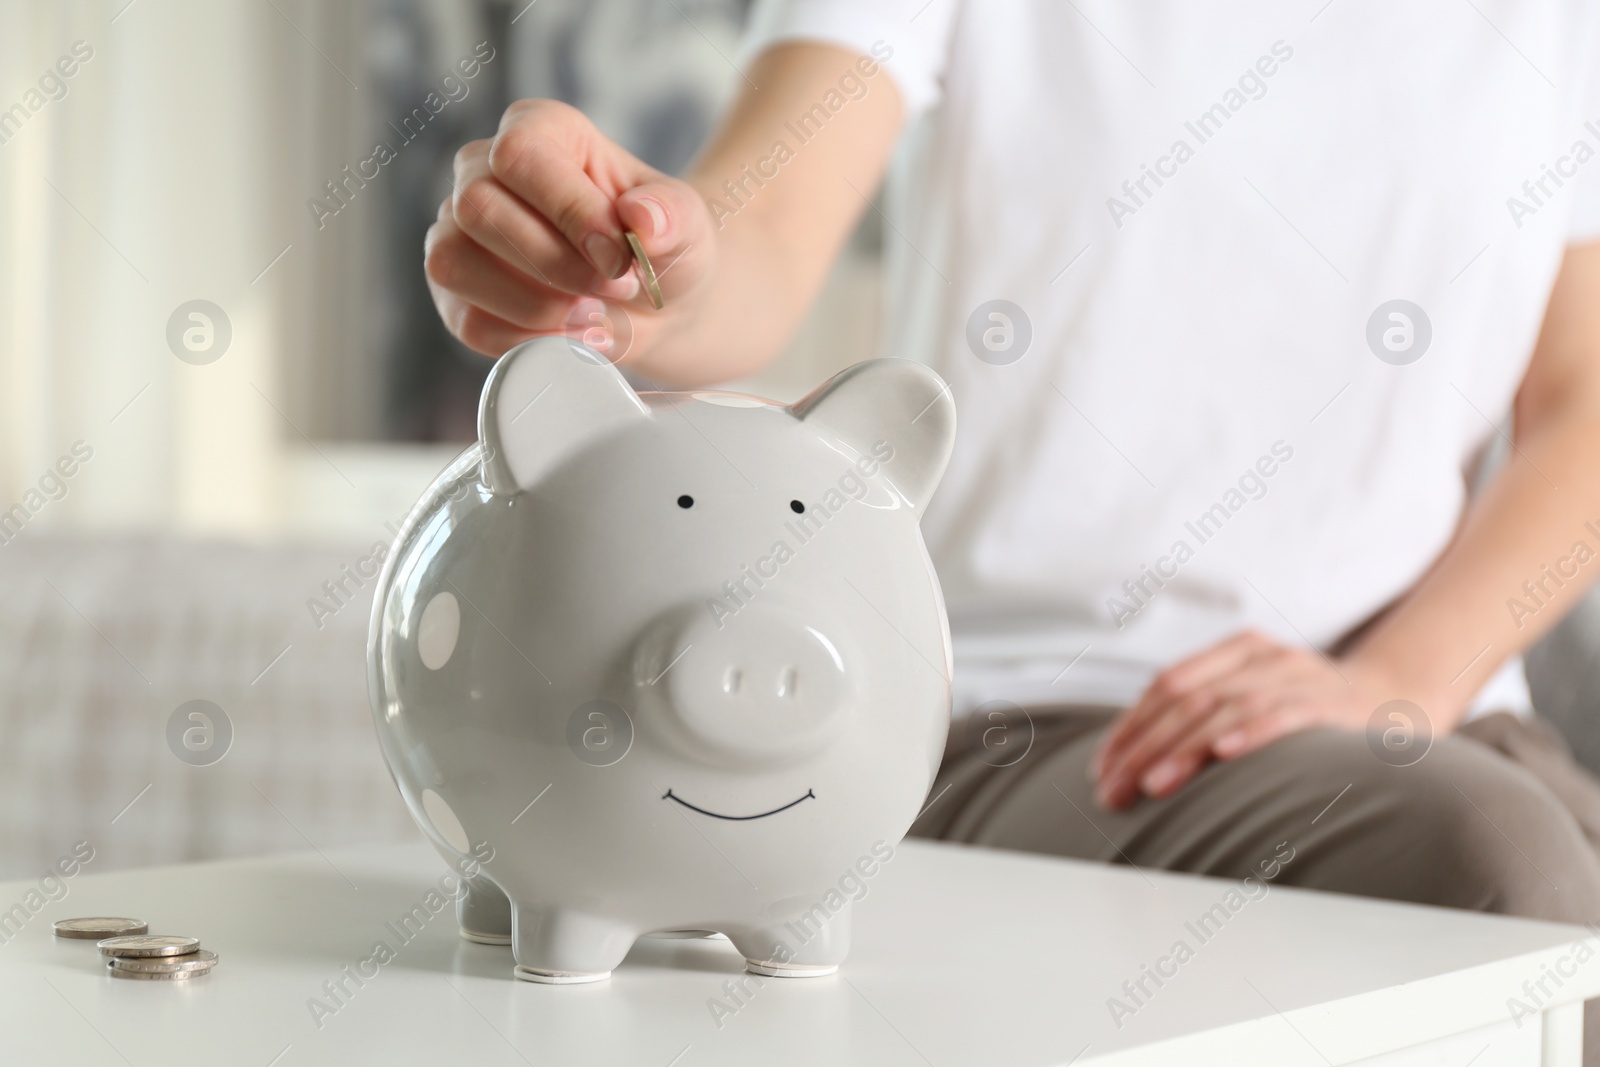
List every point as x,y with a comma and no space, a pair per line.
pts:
673,225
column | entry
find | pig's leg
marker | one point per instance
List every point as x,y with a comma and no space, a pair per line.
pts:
801,949
557,946
484,912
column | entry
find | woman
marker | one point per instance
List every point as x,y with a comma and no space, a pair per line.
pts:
1232,300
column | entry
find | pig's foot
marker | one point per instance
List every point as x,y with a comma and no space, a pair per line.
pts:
810,947
484,912
559,947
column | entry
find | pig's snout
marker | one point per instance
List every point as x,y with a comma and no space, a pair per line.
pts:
762,686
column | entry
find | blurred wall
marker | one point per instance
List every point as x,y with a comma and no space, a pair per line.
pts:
172,168
181,160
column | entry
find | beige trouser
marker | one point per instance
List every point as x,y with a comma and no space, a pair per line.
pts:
1494,818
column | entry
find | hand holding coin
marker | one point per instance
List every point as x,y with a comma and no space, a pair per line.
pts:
551,212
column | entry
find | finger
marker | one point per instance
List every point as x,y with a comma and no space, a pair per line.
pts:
1236,731
1157,741
1177,682
478,329
456,263
1253,689
550,156
1159,733
1188,675
1247,737
1212,663
494,217
1193,752
1173,773
662,215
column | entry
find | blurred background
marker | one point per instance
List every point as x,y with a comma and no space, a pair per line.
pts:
241,465
223,384
215,152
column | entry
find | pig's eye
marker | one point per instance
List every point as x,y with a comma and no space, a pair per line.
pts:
797,507
686,501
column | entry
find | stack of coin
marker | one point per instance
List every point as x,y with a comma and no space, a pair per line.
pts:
158,957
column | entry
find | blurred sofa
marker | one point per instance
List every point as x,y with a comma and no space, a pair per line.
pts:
1564,675
102,640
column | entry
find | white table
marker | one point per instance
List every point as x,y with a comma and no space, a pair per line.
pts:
962,956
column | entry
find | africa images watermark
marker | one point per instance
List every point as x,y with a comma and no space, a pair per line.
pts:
851,886
1537,192
1208,925
343,187
52,887
1566,966
52,87
851,86
1564,570
338,991
53,485
737,591
199,732
1252,85
340,591
1252,485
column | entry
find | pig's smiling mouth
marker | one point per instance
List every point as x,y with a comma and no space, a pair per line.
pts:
670,795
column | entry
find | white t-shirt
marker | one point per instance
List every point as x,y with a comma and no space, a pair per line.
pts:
1201,211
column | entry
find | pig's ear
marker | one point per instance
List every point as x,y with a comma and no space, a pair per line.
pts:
895,402
545,401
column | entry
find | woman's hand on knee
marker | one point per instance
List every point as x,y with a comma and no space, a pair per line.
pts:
1229,700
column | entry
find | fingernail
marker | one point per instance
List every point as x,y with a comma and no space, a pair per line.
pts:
607,256
658,215
1159,778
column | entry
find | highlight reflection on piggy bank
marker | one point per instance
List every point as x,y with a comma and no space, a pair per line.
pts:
673,662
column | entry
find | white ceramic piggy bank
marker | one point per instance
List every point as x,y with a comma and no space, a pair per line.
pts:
668,662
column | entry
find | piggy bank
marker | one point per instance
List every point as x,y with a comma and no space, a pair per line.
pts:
674,662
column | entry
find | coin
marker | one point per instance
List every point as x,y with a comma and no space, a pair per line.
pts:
99,927
157,976
201,962
149,945
646,271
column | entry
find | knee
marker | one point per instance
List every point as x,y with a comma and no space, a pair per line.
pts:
1500,862
1467,828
